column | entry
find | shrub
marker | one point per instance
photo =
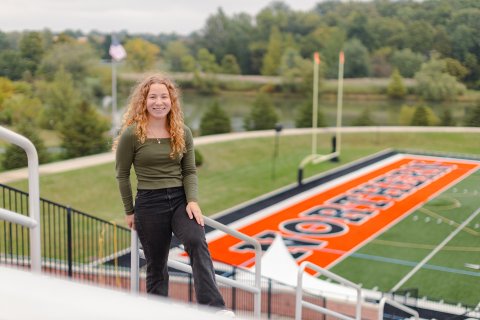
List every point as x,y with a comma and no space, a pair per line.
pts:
215,121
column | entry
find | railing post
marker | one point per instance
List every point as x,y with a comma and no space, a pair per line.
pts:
234,290
134,263
69,242
34,194
269,299
190,287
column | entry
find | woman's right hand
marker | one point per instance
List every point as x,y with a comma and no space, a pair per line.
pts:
130,220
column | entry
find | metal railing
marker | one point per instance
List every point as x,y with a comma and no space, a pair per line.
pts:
33,223
394,303
299,302
73,243
256,289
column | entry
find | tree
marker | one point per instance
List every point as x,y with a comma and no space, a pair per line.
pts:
455,68
473,120
421,40
420,117
224,35
206,84
381,66
446,119
215,120
365,119
262,114
16,157
423,116
295,71
406,115
396,88
175,53
75,58
207,61
271,60
407,62
84,131
14,109
304,116
435,83
31,49
357,60
7,89
141,54
230,65
12,65
59,97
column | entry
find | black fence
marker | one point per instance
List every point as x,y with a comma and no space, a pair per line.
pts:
73,244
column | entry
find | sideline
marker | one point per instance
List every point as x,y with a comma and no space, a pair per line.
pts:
98,159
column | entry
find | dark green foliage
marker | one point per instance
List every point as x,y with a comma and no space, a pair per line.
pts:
198,158
84,132
31,49
12,65
446,118
365,119
15,157
304,116
396,88
407,62
215,120
229,64
420,117
262,114
206,84
473,120
357,60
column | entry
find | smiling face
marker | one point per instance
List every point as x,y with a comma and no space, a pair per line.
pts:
159,103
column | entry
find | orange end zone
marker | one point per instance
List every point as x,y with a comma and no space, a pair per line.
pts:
325,227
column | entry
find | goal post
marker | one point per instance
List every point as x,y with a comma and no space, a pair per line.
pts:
314,157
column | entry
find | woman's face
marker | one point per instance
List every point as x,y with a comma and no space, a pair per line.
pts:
158,101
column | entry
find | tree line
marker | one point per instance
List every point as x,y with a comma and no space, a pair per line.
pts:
63,77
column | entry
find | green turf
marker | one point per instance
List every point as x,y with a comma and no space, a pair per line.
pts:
415,237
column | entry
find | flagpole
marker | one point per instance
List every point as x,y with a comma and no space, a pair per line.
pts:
114,98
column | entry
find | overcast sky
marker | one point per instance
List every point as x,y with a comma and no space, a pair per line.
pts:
152,16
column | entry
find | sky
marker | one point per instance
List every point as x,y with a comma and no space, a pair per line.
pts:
149,16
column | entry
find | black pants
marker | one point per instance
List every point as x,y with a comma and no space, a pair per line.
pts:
158,213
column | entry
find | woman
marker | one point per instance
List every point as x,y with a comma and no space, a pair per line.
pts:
156,142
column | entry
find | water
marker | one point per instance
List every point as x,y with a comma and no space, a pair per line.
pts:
237,105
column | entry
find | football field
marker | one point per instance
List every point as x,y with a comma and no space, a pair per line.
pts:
403,222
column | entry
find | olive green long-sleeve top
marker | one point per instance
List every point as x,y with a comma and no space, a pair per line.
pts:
153,166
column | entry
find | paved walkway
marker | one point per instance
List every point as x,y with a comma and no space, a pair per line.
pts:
94,160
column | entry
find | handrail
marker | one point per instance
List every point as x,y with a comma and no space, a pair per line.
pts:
299,303
394,303
33,223
256,290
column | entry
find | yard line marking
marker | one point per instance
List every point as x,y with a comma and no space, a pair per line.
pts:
453,223
438,248
423,246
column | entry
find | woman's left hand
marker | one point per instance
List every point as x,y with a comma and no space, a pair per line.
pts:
194,211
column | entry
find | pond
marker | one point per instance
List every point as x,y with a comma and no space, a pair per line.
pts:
237,106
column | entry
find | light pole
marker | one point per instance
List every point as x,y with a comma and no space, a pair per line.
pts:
278,129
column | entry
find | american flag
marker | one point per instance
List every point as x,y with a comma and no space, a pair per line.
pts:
117,52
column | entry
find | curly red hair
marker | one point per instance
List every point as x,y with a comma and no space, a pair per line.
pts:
137,113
